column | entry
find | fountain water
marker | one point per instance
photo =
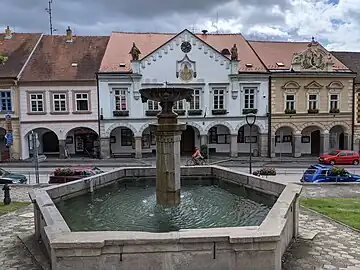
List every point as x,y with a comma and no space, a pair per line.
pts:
168,135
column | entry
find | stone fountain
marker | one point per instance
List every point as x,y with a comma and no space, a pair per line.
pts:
168,136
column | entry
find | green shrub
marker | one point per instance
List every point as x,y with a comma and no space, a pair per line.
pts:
337,171
64,172
267,171
204,151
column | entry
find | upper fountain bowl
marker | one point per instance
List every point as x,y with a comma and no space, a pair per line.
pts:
166,94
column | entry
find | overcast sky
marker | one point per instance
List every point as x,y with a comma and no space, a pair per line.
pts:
335,23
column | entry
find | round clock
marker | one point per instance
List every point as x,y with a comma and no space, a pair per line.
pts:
186,46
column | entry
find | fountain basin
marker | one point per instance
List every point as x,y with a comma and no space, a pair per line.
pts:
250,247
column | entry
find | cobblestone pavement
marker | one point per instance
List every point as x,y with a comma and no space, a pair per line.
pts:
331,191
333,247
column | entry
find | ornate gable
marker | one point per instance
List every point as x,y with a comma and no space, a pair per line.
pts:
314,58
313,87
335,85
291,85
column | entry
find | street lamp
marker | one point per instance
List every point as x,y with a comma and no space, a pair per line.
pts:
250,120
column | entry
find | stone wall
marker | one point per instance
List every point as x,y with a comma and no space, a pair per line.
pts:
256,247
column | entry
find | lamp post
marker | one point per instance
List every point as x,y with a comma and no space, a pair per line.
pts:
250,120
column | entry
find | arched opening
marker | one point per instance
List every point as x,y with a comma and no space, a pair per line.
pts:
284,141
82,142
190,138
337,138
48,142
122,142
244,138
311,141
148,142
4,150
219,139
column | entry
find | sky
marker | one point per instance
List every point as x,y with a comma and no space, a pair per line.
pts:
335,23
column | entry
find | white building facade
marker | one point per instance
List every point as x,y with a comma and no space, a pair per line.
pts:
224,92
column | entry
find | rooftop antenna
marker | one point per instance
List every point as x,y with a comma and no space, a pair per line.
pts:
216,23
49,10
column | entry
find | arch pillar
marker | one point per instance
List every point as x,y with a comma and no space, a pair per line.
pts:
105,152
62,145
324,142
296,144
138,147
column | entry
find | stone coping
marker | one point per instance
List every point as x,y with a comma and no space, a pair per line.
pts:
61,237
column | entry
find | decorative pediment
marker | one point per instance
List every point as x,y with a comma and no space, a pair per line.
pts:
291,85
335,85
186,69
313,85
313,58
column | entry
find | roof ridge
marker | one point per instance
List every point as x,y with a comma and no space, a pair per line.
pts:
277,41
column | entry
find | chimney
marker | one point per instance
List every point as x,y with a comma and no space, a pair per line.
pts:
8,33
204,31
69,36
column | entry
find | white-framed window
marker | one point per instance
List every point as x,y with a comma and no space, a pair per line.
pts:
179,105
37,102
195,100
5,101
250,97
219,99
120,99
290,102
59,102
334,100
153,105
82,102
313,102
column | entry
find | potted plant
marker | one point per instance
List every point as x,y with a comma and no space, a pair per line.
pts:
313,111
121,113
248,111
151,113
290,111
267,171
194,112
334,110
337,171
180,112
219,112
204,150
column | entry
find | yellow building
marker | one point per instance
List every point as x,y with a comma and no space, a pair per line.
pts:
15,51
310,100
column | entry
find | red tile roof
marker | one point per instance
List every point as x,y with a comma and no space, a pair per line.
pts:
17,49
351,60
272,52
53,58
120,44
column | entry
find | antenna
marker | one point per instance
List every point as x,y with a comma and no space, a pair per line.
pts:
49,10
216,23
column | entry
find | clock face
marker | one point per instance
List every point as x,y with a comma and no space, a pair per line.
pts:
186,47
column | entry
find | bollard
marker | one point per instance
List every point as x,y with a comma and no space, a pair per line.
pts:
91,186
7,199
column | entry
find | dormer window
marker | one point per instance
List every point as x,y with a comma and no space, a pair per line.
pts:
122,65
74,64
225,52
249,65
280,64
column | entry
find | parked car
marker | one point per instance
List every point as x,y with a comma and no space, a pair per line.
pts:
318,173
7,177
63,175
340,157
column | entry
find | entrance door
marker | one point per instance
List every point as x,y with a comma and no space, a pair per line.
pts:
341,141
187,143
315,143
50,142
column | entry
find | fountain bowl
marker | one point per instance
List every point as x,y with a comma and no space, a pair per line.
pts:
166,94
229,248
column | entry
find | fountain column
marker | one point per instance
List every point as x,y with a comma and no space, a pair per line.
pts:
168,137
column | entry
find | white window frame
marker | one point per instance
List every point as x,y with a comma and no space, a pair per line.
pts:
37,100
290,101
154,104
316,101
196,95
219,95
250,88
82,98
60,100
337,101
179,105
120,93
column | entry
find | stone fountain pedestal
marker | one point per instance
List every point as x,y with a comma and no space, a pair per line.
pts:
168,136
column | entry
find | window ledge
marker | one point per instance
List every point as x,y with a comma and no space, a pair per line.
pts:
219,112
248,111
120,113
60,113
151,113
82,112
36,113
334,111
194,112
313,111
180,112
7,112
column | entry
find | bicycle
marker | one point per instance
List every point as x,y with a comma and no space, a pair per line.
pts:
195,162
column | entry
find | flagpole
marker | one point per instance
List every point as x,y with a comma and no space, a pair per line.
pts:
207,140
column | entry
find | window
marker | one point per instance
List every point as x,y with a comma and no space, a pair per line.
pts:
195,100
59,103
153,105
350,154
287,138
219,99
82,101
216,138
213,135
120,99
5,97
241,136
179,105
126,137
37,102
249,98
334,102
290,102
313,102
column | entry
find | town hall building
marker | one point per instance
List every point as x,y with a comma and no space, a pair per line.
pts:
228,79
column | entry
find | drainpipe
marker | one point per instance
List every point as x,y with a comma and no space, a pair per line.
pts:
353,116
98,105
269,118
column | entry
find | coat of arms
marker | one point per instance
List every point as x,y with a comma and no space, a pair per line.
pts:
186,74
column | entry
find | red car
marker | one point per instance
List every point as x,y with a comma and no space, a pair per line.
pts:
340,157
